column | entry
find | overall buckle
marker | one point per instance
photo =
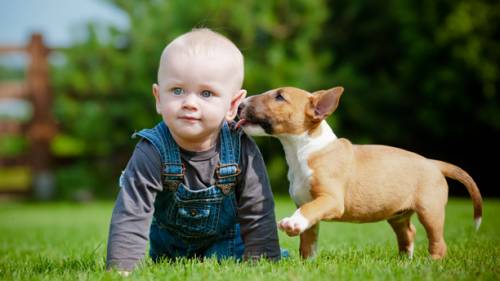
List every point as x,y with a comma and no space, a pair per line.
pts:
220,166
173,180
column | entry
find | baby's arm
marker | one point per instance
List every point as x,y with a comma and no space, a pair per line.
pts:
133,211
256,205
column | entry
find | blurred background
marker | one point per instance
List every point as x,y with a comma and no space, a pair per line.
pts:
75,80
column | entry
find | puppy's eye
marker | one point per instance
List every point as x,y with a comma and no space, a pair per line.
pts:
279,97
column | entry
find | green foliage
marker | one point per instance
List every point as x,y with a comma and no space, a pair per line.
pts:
11,145
416,74
63,145
77,178
61,241
10,73
15,179
432,64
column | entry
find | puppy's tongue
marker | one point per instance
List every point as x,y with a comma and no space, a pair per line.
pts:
240,123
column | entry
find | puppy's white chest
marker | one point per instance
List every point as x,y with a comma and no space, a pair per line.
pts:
298,149
299,176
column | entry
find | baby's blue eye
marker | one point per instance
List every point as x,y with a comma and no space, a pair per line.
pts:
206,94
178,91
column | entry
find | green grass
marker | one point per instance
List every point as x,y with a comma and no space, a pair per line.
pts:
63,241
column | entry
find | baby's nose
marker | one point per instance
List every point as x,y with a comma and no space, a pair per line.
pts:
190,102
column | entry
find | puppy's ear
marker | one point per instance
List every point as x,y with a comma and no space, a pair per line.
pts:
324,102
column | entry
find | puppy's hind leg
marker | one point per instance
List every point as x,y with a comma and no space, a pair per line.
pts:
433,222
405,232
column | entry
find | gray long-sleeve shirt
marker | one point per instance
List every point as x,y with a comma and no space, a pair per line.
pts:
141,181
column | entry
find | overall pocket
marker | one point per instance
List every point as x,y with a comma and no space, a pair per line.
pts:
198,217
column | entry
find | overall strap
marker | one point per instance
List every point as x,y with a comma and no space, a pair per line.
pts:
172,166
228,168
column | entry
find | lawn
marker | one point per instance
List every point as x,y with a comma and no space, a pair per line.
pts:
63,241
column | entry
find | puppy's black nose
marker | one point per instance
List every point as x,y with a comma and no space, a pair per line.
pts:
240,108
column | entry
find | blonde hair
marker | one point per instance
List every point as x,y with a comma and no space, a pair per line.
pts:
205,42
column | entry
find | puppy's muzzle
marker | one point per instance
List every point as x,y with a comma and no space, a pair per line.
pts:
247,116
240,108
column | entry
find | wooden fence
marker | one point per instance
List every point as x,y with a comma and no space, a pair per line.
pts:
39,130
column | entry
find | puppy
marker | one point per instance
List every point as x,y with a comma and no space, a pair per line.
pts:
333,180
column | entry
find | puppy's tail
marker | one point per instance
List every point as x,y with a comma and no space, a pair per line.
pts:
456,173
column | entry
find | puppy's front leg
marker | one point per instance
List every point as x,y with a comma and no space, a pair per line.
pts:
308,242
322,207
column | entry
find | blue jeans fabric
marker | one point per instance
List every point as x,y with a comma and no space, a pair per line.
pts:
165,245
195,223
198,223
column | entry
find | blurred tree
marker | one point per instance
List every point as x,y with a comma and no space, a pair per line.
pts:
418,75
422,76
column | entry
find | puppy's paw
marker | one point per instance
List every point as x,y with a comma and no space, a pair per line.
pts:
294,225
287,225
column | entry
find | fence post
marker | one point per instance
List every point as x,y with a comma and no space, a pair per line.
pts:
42,128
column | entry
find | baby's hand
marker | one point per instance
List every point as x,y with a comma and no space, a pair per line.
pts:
124,273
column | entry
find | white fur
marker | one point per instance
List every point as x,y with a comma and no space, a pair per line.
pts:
314,250
410,251
477,223
298,149
254,130
296,219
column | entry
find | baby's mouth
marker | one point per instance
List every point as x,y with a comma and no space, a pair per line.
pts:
189,118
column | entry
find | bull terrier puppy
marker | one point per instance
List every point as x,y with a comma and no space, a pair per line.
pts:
333,180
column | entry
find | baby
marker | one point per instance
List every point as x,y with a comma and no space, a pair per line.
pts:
195,185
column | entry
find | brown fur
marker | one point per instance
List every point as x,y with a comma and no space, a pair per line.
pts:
362,183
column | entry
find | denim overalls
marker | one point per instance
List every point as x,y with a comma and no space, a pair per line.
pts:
195,223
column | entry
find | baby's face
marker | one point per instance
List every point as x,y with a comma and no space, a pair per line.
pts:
195,94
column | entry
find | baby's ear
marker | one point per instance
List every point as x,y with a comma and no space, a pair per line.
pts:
235,102
156,94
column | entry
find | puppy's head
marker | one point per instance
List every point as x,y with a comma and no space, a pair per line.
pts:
287,111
